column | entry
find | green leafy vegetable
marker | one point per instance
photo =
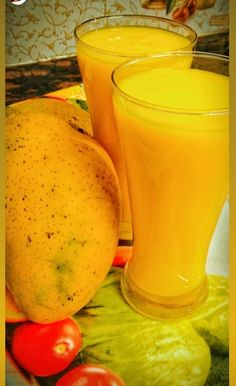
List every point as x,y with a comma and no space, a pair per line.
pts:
156,353
219,373
212,319
81,102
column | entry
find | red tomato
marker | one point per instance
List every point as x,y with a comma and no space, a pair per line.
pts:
90,375
119,261
46,349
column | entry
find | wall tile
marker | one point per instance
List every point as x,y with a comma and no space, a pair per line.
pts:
43,29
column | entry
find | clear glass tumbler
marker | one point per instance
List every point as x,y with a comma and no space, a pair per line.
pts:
102,44
172,113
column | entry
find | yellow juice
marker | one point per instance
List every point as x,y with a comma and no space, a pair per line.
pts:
99,51
177,166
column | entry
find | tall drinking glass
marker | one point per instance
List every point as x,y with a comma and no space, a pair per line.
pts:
172,114
102,44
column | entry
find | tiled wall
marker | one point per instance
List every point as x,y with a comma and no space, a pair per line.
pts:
43,29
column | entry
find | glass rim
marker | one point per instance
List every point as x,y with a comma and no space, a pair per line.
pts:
134,54
157,107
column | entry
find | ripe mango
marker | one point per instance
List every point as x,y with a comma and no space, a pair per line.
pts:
77,118
62,215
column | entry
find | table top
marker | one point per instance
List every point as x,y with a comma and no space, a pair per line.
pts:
36,79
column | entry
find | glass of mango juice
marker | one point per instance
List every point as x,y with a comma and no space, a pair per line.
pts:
172,114
102,44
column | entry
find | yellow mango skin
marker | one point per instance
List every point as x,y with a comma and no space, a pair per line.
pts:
74,115
62,216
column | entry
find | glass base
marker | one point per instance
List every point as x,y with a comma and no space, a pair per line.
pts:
160,308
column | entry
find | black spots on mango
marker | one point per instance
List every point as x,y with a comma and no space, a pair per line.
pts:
49,235
61,219
16,144
63,267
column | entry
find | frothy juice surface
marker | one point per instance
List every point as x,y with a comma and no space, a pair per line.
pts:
106,48
177,164
177,88
129,40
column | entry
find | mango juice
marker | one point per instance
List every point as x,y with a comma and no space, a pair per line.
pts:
175,139
99,51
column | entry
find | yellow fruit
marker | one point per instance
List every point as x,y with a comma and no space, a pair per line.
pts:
12,314
76,117
62,215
